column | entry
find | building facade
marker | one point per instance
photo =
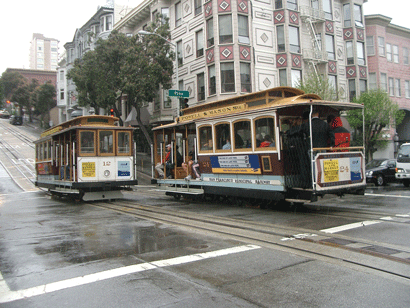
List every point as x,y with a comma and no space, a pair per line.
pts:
388,48
231,47
98,26
43,53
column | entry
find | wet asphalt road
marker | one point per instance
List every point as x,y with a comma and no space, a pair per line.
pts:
56,253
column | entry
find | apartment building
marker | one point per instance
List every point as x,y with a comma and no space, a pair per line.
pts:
43,53
388,48
231,47
98,26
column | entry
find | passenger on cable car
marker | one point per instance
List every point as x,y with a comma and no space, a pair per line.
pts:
227,145
322,135
266,142
342,135
171,165
191,165
160,166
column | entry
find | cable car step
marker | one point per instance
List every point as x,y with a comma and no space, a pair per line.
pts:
181,190
298,200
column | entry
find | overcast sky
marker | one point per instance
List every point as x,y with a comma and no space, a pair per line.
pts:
59,19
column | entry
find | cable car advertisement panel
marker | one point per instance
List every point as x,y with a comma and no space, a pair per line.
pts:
243,164
335,170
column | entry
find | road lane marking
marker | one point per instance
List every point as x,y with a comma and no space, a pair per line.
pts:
351,226
6,295
384,195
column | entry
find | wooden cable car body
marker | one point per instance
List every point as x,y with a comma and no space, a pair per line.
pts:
88,157
279,168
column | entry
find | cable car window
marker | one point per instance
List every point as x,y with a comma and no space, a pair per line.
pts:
87,142
205,139
242,134
265,133
223,136
124,143
106,141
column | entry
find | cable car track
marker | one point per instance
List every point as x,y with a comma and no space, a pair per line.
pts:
309,243
17,165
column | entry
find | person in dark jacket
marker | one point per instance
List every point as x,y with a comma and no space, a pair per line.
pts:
322,135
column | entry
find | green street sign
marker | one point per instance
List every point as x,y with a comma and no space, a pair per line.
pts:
178,93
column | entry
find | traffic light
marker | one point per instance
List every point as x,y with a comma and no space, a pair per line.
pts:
112,112
8,102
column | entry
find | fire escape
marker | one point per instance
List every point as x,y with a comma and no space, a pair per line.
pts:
312,19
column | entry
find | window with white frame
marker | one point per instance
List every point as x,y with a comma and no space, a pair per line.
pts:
330,47
280,33
296,77
382,46
165,15
361,59
370,45
352,89
243,29
358,17
199,43
294,43
283,77
389,54
333,82
405,55
198,6
278,4
327,8
227,77
292,5
383,81
397,86
347,16
372,81
246,77
407,88
212,80
201,86
61,94
178,14
61,75
363,86
210,32
391,86
179,52
395,54
106,23
225,29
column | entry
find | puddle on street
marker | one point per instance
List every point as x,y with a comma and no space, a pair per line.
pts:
119,237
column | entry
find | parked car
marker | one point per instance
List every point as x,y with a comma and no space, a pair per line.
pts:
16,120
381,171
4,114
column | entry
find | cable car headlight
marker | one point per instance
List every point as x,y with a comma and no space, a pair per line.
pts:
107,173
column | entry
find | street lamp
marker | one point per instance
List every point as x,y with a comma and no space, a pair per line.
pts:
143,32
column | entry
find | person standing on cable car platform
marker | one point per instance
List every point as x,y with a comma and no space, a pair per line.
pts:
322,135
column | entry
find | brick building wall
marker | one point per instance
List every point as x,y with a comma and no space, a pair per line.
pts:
41,76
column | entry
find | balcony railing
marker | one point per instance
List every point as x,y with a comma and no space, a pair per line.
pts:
310,54
315,15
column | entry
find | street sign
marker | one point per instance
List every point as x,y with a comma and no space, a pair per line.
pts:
178,93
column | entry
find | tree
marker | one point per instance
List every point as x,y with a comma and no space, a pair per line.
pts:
44,101
317,84
25,96
120,65
379,111
9,83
